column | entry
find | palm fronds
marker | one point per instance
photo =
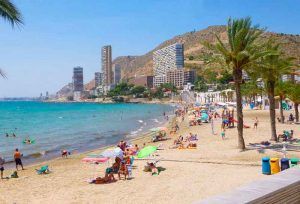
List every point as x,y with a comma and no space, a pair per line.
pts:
10,13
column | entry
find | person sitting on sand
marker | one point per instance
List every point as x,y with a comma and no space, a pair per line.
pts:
179,140
114,168
151,167
191,145
291,117
107,179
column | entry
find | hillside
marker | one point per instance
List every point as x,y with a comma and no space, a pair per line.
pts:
142,65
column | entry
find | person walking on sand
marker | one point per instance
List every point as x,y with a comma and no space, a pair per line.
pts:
212,125
223,133
2,161
17,157
255,123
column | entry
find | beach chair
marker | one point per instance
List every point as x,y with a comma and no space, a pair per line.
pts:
43,170
131,161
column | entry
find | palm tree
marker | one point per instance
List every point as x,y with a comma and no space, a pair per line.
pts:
273,66
241,53
9,12
294,95
281,90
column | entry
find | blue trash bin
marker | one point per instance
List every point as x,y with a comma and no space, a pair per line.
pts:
285,164
266,168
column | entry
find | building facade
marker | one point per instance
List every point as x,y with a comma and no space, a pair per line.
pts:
98,79
78,79
190,77
168,58
106,59
158,80
117,73
175,77
150,81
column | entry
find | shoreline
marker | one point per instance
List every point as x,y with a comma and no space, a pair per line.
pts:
31,162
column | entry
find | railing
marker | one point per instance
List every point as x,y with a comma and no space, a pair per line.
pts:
283,187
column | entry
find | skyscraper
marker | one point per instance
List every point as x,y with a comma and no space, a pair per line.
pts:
168,59
117,73
77,79
107,65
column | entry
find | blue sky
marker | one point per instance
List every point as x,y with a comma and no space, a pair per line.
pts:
61,34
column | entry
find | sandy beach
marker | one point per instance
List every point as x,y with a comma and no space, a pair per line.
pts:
216,166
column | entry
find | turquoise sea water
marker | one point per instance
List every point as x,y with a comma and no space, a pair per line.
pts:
72,126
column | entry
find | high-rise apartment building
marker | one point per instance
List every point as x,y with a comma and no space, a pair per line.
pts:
106,58
78,79
175,77
98,79
168,59
158,80
117,73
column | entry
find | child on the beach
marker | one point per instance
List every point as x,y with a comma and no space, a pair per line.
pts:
223,133
255,123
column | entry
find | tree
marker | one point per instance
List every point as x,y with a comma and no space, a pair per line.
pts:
271,69
138,90
294,95
242,53
250,90
281,90
9,12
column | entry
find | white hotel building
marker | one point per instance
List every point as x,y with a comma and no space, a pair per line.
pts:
167,59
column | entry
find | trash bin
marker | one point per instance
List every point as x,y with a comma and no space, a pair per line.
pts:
266,168
285,164
274,165
294,161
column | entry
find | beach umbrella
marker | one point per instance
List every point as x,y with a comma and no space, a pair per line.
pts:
146,151
112,152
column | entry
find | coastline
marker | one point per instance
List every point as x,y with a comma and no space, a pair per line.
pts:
143,138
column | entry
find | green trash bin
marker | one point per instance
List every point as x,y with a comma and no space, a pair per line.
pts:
294,161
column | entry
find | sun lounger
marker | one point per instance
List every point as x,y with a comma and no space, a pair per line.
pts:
43,170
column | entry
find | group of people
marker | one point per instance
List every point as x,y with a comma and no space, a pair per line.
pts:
121,166
286,135
18,161
188,142
13,135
